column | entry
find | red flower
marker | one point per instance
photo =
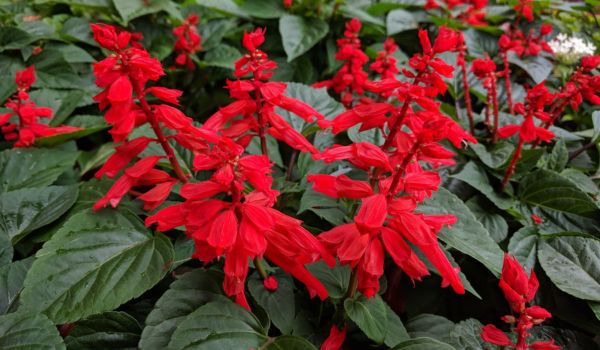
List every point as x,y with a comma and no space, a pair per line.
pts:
536,219
188,42
335,339
26,128
545,345
491,334
270,283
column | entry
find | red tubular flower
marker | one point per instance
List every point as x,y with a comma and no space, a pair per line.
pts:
519,289
349,81
537,98
525,9
27,128
188,42
256,99
335,339
485,69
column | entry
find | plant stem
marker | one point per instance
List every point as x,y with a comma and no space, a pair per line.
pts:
507,84
291,164
400,118
164,143
467,94
580,150
513,163
494,92
260,267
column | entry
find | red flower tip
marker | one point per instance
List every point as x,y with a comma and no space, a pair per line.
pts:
270,283
536,219
335,339
25,78
590,62
253,40
545,345
482,67
491,334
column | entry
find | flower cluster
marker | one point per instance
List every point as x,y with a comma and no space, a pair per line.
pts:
519,289
388,218
188,42
530,44
27,127
535,101
123,76
469,12
350,79
570,49
485,70
231,214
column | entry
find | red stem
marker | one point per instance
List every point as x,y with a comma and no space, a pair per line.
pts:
513,163
467,94
400,119
494,92
153,120
507,84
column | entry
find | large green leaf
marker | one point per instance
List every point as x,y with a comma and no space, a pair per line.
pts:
523,246
300,34
110,330
28,209
400,20
21,330
548,189
573,264
184,296
430,326
468,235
95,263
131,9
475,176
6,250
396,333
370,315
223,56
289,342
53,71
11,284
537,67
493,222
219,325
334,279
495,156
32,167
422,344
267,9
466,336
279,304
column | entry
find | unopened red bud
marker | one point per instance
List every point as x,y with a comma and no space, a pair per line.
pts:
270,283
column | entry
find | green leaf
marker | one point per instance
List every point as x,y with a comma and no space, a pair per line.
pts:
325,207
267,9
334,279
21,330
32,167
289,342
573,265
480,44
53,71
523,246
400,20
476,177
131,9
184,296
300,34
51,141
423,344
496,156
537,67
219,325
68,104
370,315
110,330
548,189
396,333
279,304
12,38
226,6
559,157
6,250
95,263
467,235
466,335
223,56
430,326
28,209
493,222
11,284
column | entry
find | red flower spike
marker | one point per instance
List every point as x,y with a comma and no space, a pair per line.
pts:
188,42
518,290
26,113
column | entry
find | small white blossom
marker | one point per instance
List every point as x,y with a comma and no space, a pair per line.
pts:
569,49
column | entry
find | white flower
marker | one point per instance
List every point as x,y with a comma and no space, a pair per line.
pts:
569,49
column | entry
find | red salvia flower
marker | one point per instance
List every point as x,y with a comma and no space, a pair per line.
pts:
188,42
349,81
25,127
519,289
485,70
